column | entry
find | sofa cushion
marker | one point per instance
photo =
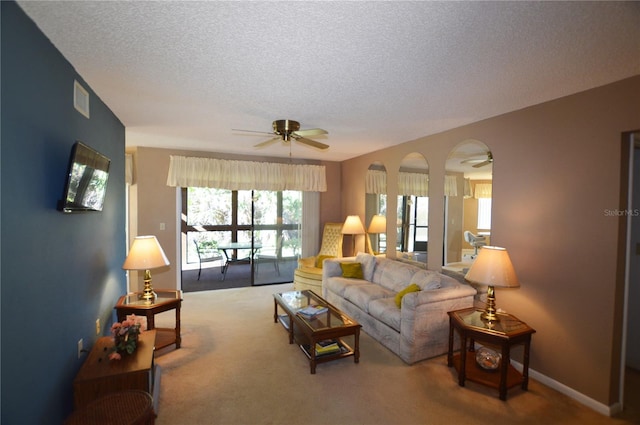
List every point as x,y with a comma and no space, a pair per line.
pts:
338,285
427,279
362,295
411,288
385,310
352,270
392,274
368,262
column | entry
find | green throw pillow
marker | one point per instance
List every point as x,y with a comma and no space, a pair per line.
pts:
353,270
411,288
320,259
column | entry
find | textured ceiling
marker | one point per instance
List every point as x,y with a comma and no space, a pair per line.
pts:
374,74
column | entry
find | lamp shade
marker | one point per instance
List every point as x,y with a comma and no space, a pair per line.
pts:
378,224
145,253
352,226
493,267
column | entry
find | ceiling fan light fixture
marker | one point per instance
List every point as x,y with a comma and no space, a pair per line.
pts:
285,126
290,129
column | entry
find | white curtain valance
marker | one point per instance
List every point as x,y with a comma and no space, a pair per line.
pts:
244,175
415,184
128,168
482,190
450,186
468,193
376,182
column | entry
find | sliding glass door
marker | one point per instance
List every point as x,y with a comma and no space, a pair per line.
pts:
240,237
276,229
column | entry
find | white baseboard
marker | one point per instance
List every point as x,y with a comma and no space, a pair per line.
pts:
570,392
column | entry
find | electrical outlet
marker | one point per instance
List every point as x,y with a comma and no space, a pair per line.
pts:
80,342
98,327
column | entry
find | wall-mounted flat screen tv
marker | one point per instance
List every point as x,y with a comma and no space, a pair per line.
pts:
87,178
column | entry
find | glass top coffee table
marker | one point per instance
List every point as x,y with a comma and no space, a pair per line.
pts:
317,332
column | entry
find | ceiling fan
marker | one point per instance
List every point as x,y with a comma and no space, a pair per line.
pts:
286,130
479,162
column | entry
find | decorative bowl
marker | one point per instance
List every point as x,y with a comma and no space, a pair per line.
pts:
487,359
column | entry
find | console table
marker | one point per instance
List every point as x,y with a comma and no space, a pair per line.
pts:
166,300
505,333
100,376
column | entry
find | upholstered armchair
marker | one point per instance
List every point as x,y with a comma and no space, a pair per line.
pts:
308,275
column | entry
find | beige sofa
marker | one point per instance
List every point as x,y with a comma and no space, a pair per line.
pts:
417,330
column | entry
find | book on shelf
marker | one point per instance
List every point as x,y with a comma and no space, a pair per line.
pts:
328,346
312,310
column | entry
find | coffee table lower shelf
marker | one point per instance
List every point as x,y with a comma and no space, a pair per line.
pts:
304,343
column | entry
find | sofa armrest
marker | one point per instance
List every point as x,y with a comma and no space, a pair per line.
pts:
414,299
331,268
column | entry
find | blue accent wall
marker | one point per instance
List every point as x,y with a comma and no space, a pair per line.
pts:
59,272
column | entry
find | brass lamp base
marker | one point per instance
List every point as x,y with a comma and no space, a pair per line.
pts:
147,294
490,311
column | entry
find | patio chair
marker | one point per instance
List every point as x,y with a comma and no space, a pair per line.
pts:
206,255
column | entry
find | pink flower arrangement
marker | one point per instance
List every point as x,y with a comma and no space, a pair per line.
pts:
125,337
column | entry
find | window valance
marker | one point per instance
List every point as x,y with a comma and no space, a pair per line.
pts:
482,190
450,186
376,182
415,184
245,175
128,168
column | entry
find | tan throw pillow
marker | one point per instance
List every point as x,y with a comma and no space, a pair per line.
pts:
352,270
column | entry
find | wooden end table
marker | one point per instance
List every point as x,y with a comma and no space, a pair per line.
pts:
166,300
505,333
100,376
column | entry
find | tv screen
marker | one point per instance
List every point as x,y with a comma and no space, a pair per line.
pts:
86,180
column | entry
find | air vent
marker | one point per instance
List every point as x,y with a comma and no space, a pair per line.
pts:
81,99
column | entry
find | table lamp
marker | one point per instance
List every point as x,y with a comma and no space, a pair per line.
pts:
146,254
493,268
353,226
378,225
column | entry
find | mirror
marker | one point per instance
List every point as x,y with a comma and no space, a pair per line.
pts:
468,183
413,208
376,209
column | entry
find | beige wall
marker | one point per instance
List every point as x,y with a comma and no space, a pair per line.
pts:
557,168
155,204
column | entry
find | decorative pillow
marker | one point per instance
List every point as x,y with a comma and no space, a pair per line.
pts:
352,270
368,262
411,288
320,259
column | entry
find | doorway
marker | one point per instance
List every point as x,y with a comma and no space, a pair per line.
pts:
630,371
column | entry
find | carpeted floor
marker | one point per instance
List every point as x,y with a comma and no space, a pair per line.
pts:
237,367
238,276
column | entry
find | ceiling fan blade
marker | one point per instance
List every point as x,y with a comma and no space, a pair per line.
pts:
482,164
310,142
311,132
479,162
267,142
252,131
